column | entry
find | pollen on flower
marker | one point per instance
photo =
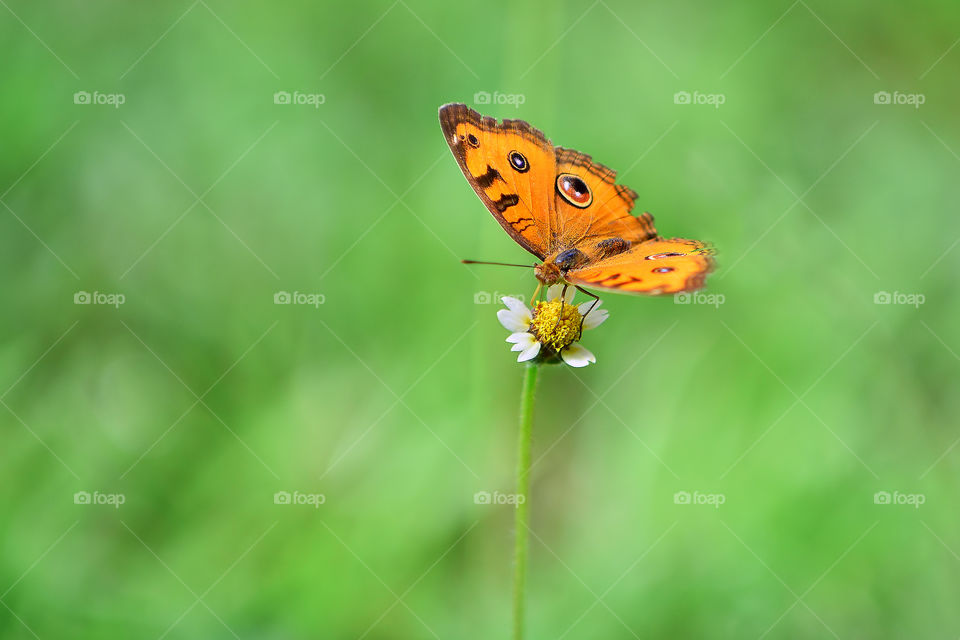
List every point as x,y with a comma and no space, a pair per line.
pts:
550,329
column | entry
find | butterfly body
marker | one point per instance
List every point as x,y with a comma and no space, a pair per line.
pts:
567,210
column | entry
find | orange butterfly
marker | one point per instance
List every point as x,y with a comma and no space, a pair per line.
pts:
566,209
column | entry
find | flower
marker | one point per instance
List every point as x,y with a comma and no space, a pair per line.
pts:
551,331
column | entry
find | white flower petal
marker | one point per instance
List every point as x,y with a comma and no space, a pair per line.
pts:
514,304
584,307
595,318
522,341
530,353
512,321
576,355
554,290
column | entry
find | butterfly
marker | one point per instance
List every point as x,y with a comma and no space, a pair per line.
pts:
568,211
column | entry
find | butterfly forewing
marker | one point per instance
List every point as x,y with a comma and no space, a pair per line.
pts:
604,212
511,166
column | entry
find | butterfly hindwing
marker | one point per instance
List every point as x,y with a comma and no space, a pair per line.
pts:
654,267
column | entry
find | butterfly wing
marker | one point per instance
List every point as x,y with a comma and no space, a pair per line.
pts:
623,252
512,167
654,267
590,207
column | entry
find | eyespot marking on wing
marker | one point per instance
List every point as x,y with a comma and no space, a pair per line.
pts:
518,162
574,190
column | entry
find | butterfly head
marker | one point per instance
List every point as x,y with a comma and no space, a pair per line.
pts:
548,273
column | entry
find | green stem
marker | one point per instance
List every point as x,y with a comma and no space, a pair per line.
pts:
524,440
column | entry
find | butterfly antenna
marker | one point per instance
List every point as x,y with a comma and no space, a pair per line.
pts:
502,264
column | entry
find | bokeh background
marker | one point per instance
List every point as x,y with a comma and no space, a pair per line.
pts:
790,395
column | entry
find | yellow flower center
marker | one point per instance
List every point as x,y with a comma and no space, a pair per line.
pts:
551,329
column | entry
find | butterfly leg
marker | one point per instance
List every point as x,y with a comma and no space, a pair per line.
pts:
533,298
596,300
563,298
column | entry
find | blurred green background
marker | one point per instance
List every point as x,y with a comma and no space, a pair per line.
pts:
200,198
